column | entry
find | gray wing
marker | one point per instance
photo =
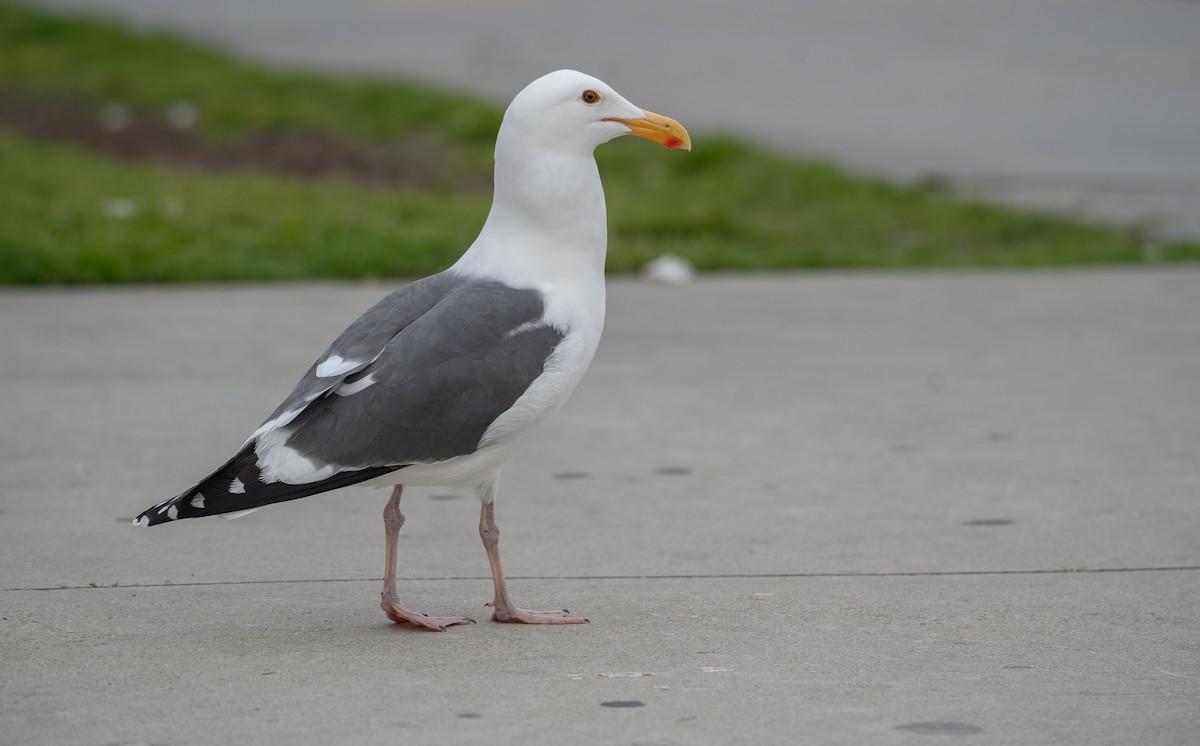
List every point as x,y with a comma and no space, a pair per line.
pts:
436,386
364,340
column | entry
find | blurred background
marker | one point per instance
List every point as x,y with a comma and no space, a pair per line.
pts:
1086,107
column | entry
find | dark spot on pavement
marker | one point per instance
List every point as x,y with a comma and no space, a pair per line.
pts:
941,728
673,471
444,498
1021,668
469,715
572,475
623,703
999,436
989,522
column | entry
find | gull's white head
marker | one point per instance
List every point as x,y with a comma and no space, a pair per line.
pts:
571,111
548,224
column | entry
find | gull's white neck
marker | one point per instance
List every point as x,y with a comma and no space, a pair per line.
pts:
548,225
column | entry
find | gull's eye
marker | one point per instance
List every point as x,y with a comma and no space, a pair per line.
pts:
590,97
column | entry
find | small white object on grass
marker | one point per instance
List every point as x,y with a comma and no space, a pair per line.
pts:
182,114
669,269
115,117
118,208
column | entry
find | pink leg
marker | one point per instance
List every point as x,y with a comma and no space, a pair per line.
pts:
504,609
393,519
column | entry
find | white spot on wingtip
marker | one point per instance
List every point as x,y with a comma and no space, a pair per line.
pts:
172,512
198,501
142,521
236,487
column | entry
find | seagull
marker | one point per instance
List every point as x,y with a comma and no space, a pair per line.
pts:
440,381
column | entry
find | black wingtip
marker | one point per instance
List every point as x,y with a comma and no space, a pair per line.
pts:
238,486
161,513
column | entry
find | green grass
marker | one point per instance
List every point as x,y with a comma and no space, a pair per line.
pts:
59,225
65,212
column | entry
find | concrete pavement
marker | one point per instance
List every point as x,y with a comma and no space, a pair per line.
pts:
1084,105
802,508
869,508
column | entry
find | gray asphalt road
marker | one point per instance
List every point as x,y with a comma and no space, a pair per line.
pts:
817,509
1086,105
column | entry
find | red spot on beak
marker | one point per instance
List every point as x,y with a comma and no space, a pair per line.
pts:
673,142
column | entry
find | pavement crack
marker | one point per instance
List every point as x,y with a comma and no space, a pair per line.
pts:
679,576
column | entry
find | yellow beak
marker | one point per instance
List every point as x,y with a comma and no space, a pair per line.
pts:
662,130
